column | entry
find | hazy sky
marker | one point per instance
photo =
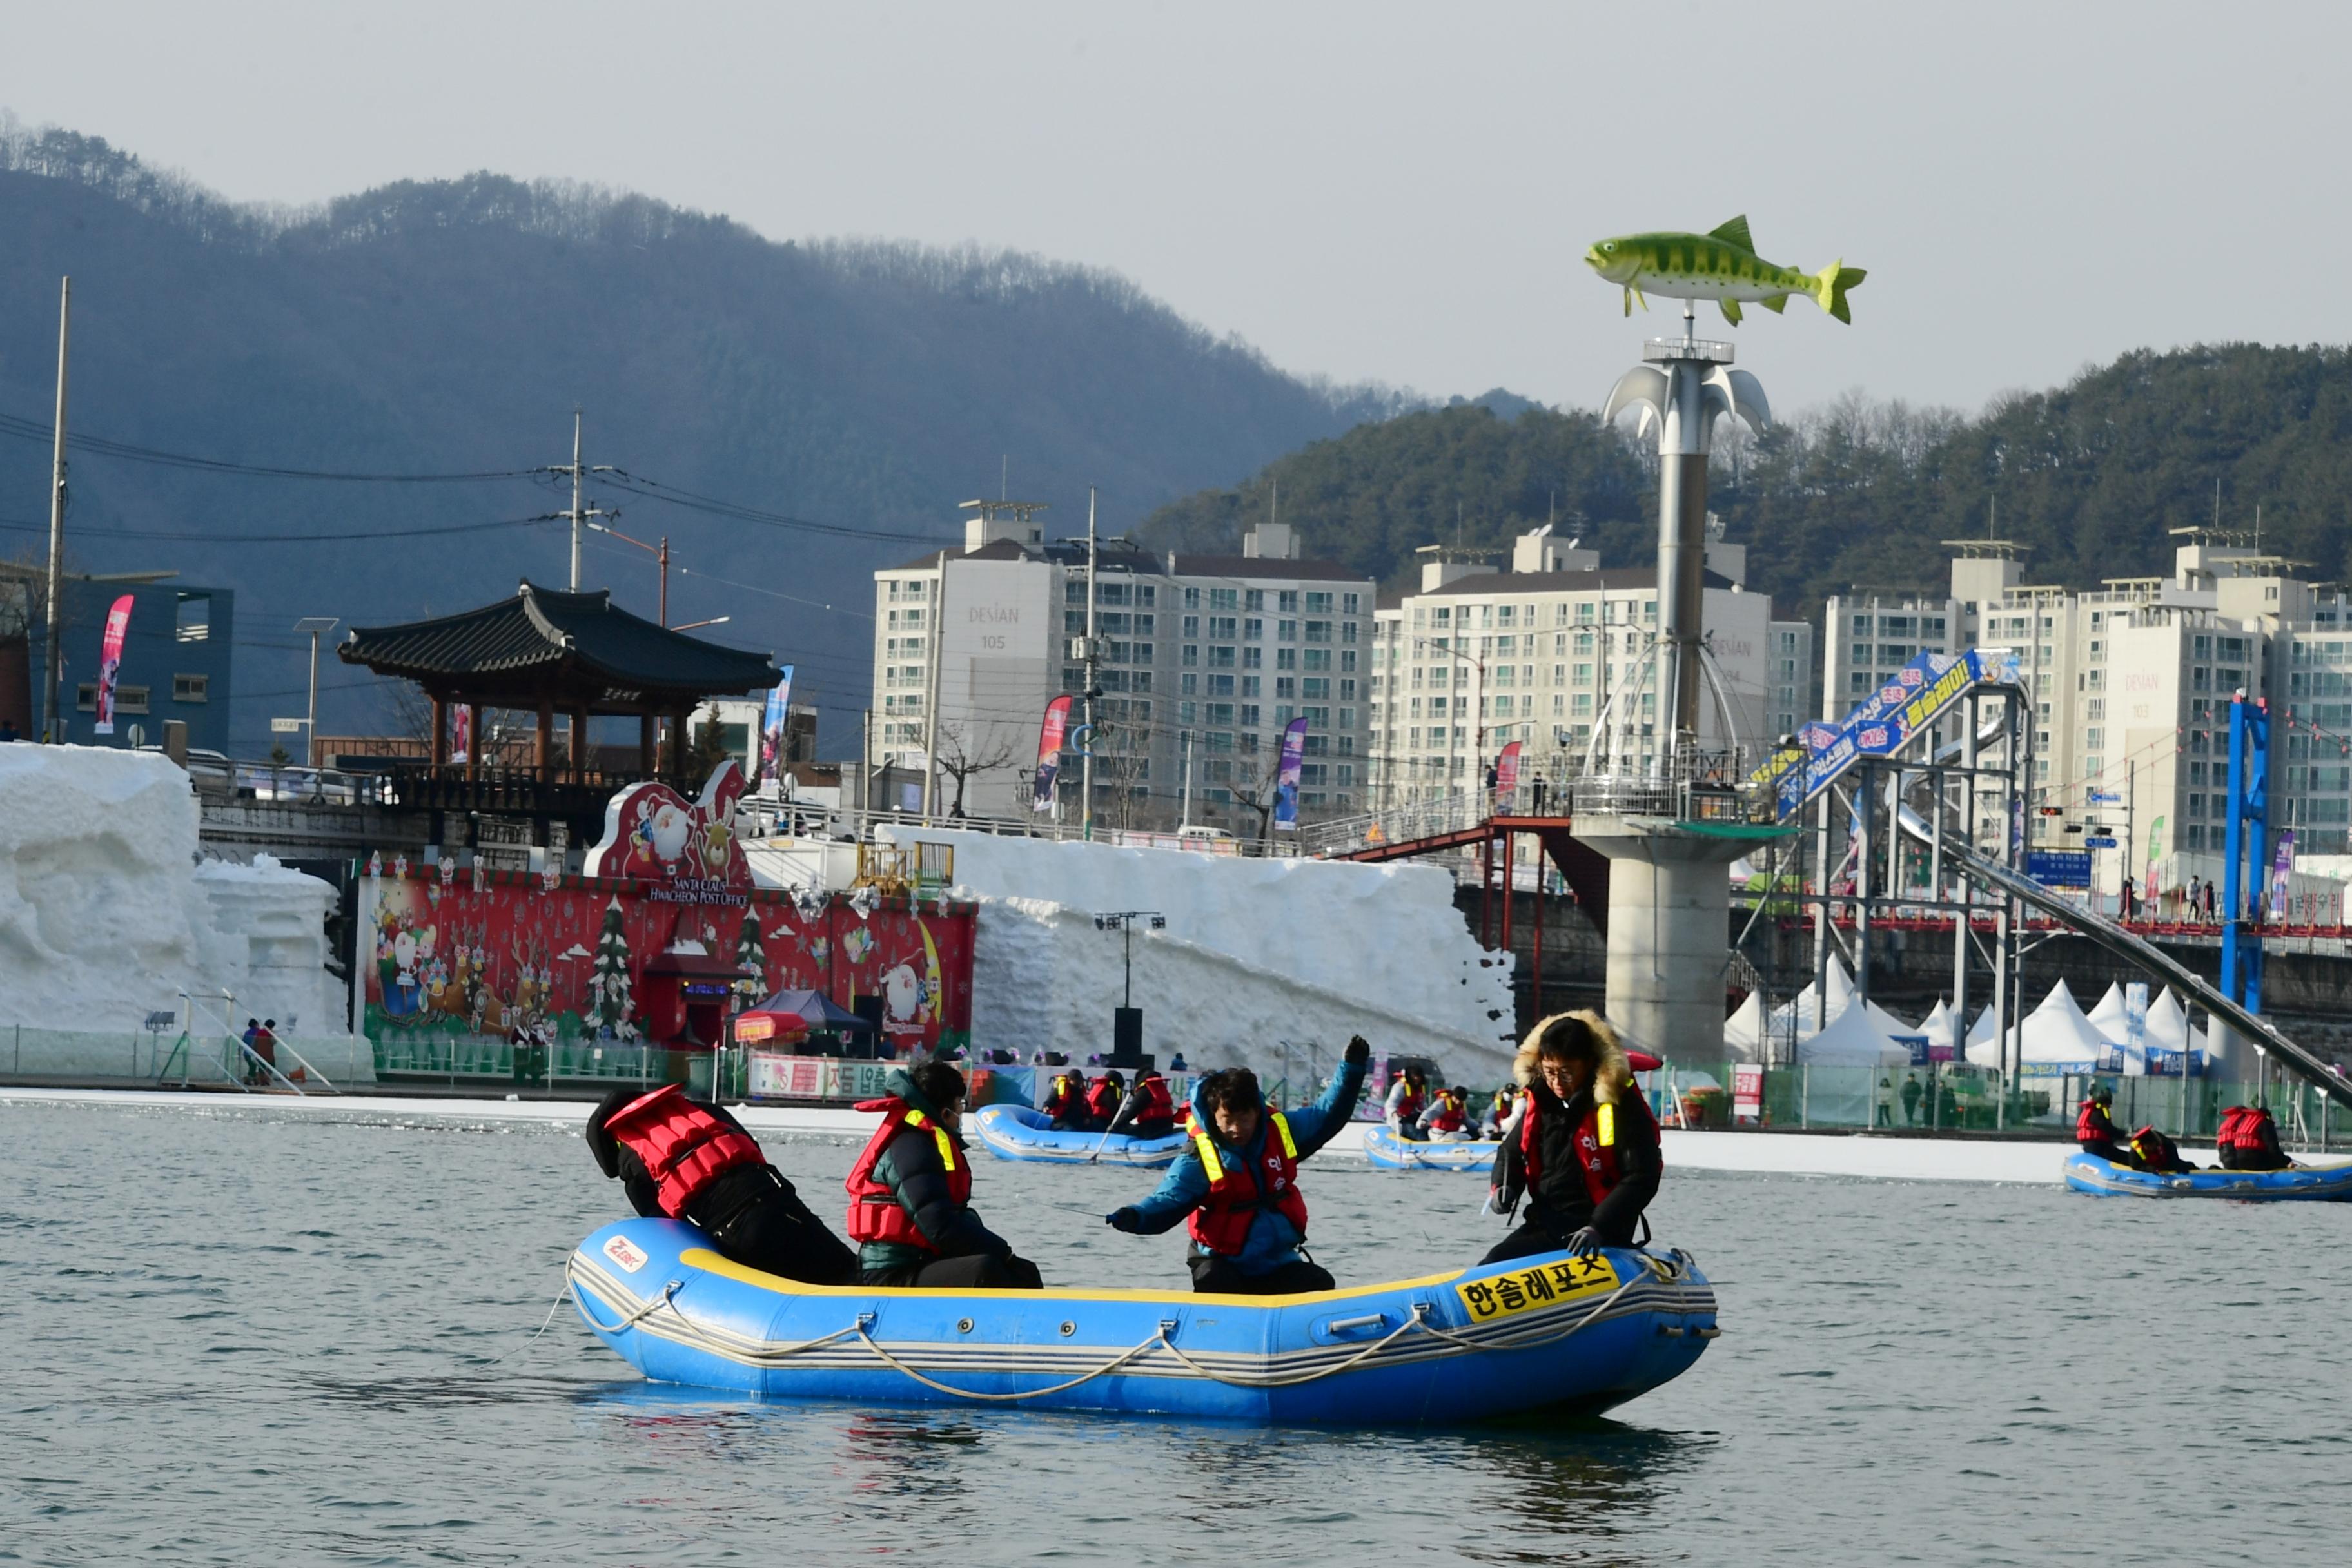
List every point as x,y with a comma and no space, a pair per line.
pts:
1363,191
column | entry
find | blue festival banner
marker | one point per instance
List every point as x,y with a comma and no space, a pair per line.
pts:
1890,718
1285,778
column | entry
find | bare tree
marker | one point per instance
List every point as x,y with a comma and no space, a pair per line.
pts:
962,762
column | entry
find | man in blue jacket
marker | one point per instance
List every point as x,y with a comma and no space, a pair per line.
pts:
1238,1183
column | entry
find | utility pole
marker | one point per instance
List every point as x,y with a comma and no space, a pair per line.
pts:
1184,809
937,632
314,625
580,512
1087,756
53,730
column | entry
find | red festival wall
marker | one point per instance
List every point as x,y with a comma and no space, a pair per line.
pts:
476,953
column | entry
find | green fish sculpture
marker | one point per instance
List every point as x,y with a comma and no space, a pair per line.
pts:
1721,266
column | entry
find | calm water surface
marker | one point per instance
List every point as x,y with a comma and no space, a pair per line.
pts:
242,1338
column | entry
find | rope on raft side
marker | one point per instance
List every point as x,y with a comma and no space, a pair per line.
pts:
1108,1367
1417,1319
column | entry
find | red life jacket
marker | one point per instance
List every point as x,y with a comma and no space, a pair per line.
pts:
683,1146
1596,1143
1152,1101
1103,1098
1448,1117
2155,1150
1409,1108
2249,1140
1067,1097
875,1212
1238,1195
2093,1125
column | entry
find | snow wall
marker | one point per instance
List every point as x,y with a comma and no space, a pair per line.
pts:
1257,952
107,914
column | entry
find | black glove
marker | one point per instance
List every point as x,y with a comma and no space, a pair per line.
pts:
1130,1220
1360,1051
1584,1243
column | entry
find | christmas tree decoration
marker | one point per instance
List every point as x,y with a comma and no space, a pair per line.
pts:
608,981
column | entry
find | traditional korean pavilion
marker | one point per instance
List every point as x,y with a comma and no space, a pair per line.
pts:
547,652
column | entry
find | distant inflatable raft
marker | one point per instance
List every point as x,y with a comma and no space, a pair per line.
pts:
1549,1331
1385,1149
2087,1173
1020,1132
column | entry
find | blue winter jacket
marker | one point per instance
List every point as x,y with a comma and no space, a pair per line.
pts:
1272,1240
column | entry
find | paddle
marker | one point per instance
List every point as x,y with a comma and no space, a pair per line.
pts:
1120,1115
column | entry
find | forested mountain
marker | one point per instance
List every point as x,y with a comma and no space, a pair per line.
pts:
2090,475
452,326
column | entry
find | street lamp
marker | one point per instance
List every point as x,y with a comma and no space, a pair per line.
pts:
713,621
315,625
659,552
1126,1022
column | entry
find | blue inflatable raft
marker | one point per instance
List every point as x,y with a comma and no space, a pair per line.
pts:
1549,1331
2087,1173
1385,1149
1022,1132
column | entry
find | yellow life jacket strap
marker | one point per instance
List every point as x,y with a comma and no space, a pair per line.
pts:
1208,1151
1608,1120
938,1134
1282,1125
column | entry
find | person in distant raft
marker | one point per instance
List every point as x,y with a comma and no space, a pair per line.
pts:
1151,1109
1238,1184
1067,1104
1586,1155
681,1159
1104,1096
2249,1141
2096,1132
910,1194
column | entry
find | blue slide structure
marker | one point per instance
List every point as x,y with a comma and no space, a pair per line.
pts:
1549,1333
1883,723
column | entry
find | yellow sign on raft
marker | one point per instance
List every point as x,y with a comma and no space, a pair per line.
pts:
1545,1285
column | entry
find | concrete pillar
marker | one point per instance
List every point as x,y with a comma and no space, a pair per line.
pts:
1669,932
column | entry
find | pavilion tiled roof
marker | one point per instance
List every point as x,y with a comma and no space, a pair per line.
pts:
543,635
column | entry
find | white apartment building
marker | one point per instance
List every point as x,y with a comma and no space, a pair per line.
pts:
1201,659
2131,687
1479,657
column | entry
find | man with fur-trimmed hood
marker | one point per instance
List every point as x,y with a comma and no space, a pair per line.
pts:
1585,1152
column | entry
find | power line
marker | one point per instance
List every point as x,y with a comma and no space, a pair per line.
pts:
653,489
27,429
14,526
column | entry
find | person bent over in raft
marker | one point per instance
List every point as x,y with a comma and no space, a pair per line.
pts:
910,1194
684,1160
1239,1182
1586,1153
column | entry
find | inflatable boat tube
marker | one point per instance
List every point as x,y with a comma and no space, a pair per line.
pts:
1385,1149
2087,1173
1022,1132
1548,1331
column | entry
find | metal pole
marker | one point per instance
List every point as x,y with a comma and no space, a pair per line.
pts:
931,691
663,555
1086,757
577,516
1866,787
310,725
53,728
1184,807
1971,716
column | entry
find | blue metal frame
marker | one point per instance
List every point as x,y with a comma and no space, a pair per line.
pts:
2249,805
